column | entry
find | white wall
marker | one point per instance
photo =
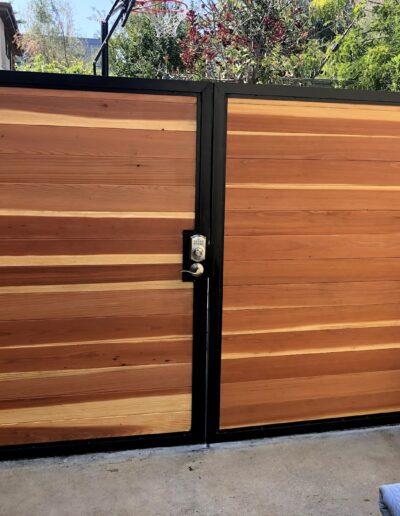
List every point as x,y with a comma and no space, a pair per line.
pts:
4,61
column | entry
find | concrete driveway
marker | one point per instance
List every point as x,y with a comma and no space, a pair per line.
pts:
334,474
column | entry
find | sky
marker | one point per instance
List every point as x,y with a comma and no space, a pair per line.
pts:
82,11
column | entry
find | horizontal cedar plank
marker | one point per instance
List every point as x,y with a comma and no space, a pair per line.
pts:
95,355
259,199
287,123
99,287
69,228
87,260
277,247
314,340
95,304
77,141
97,170
97,409
20,390
38,119
91,428
82,96
269,368
19,276
283,390
13,247
269,413
291,318
104,107
303,171
244,223
114,417
327,110
312,147
263,272
312,294
97,197
83,329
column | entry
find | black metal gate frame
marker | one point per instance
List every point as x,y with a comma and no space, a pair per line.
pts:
222,93
208,291
203,91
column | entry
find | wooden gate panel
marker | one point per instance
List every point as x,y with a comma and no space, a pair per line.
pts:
95,322
311,321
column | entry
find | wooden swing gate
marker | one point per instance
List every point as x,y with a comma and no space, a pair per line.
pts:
194,262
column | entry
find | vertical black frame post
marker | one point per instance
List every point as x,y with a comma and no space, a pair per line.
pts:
217,259
201,285
203,92
104,53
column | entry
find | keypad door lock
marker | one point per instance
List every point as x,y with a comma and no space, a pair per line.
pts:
194,256
198,248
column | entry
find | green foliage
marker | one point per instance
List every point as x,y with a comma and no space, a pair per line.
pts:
305,64
50,34
328,10
246,40
40,64
355,44
137,51
331,18
369,56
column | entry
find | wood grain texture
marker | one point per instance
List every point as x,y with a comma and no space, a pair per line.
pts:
284,117
312,246
305,171
88,228
61,97
259,199
96,324
96,427
311,341
19,117
311,222
304,318
310,409
311,323
82,329
312,146
237,298
241,122
312,364
96,409
88,259
311,271
129,248
106,170
56,387
20,276
108,198
88,355
306,109
27,140
48,305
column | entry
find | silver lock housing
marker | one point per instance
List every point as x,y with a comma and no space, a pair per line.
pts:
198,248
